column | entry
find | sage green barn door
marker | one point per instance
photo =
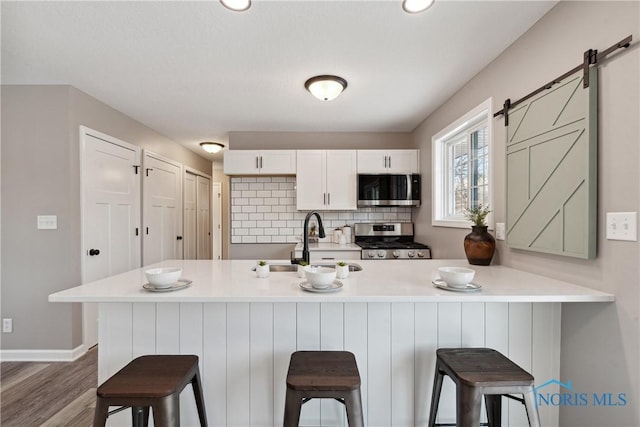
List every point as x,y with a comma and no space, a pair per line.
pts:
552,170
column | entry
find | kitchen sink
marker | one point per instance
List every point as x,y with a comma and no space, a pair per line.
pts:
274,268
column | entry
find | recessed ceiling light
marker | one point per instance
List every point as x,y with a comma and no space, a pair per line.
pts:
237,5
326,87
416,6
211,147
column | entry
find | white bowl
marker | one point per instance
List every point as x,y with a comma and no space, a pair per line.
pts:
320,277
456,277
163,277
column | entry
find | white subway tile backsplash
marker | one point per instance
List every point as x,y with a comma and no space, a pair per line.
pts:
264,211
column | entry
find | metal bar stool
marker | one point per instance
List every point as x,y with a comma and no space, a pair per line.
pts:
155,382
477,372
323,374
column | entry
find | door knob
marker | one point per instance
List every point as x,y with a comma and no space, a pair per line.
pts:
93,252
179,237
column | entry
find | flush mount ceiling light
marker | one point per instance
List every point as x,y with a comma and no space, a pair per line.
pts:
237,5
326,87
211,147
416,6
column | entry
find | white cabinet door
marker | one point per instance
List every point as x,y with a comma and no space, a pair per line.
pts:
278,162
161,209
241,162
389,161
311,192
260,162
342,180
326,180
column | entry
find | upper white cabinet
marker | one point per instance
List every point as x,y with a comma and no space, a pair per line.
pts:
260,162
389,161
326,180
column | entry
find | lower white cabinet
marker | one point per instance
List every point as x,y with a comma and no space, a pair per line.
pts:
326,180
331,256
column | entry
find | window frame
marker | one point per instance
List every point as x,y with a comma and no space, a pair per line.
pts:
440,143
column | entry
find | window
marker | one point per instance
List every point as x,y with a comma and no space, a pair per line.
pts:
461,167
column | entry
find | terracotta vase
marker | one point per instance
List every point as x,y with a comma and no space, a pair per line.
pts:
479,245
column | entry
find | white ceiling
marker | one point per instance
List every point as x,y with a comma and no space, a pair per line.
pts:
195,71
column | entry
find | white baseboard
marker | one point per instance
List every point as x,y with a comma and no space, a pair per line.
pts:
42,355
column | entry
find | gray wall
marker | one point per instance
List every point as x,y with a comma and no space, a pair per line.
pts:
318,140
600,342
40,175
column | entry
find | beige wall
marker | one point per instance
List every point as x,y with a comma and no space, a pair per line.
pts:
599,341
318,140
40,175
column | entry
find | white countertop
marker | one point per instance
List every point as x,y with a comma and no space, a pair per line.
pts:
379,281
326,246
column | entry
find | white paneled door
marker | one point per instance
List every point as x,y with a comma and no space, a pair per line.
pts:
110,184
204,217
216,231
161,209
190,209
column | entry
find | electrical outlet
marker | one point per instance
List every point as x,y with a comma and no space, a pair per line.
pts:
47,222
500,231
622,226
7,325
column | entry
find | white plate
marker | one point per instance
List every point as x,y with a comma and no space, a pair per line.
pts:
334,286
180,284
469,287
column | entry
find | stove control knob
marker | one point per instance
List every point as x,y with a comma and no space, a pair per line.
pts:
420,254
382,254
372,254
396,254
411,254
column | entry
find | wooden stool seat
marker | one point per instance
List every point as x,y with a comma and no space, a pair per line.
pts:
153,381
323,374
479,372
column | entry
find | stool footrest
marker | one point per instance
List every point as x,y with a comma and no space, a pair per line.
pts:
120,409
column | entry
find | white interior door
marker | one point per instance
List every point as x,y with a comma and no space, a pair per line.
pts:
216,228
204,217
190,240
110,191
161,209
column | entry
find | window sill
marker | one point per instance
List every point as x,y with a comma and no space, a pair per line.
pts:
454,224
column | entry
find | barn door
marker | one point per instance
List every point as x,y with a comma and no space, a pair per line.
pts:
551,170
161,209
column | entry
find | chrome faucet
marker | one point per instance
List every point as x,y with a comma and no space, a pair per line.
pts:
305,231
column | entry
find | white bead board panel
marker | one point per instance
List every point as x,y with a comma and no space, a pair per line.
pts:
244,351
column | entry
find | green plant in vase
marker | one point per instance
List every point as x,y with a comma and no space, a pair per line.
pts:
479,245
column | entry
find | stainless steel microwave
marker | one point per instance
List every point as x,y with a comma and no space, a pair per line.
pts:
389,190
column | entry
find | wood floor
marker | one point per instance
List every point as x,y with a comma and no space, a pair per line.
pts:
49,394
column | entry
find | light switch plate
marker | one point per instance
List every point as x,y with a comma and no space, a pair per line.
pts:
47,222
622,226
500,231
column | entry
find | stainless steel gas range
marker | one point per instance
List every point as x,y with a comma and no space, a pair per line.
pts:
389,241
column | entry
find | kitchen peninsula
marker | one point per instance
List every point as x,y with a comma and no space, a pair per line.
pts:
389,315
